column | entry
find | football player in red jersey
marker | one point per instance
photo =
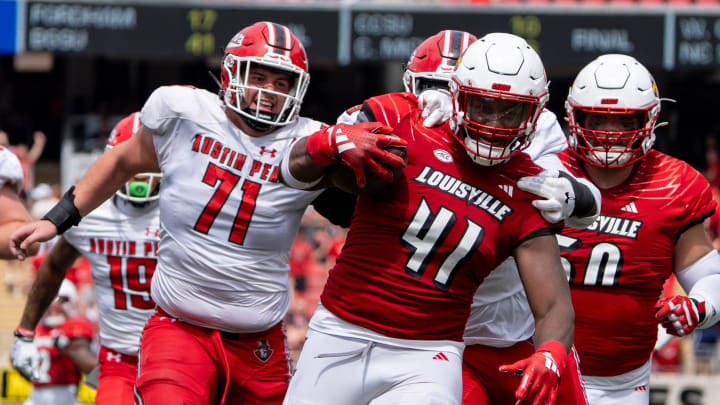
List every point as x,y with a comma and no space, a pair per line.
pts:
227,223
120,241
390,325
61,351
500,327
650,226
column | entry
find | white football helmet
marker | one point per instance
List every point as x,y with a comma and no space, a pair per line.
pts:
499,89
64,305
617,85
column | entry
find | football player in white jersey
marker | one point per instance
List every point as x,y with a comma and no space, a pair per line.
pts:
227,223
500,327
13,213
120,240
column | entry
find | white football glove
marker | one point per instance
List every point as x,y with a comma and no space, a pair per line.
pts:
558,191
436,105
25,357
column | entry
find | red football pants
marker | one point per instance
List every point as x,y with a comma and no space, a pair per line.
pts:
117,378
484,384
186,364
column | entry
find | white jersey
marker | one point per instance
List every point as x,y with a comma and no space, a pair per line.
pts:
500,314
121,245
10,170
227,221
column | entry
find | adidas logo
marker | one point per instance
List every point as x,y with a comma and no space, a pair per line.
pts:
508,189
440,356
630,208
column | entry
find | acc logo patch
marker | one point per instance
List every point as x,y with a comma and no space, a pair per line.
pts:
263,352
443,155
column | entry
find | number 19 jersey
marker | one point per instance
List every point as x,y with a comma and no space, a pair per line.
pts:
617,266
122,250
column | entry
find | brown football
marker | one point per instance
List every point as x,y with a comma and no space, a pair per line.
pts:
344,178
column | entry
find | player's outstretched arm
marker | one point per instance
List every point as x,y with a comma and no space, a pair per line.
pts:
697,267
80,354
538,261
13,215
100,182
358,147
24,356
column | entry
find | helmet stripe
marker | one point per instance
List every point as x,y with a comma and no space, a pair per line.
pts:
282,39
447,42
465,42
456,44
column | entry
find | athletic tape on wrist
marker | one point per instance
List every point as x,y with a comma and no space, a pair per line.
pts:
64,214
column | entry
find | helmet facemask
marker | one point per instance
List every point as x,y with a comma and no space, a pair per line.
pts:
142,189
494,126
238,71
621,144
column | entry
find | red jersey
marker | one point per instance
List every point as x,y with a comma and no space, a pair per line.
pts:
618,265
415,255
56,367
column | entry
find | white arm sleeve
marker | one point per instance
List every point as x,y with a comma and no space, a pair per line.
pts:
701,280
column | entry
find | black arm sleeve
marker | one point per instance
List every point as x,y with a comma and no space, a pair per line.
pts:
584,200
336,205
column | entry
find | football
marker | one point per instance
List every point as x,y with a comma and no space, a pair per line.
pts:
343,177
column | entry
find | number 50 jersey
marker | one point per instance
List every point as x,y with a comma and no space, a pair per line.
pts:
122,250
617,266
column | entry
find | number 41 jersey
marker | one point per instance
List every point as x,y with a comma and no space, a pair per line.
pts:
617,266
415,255
122,250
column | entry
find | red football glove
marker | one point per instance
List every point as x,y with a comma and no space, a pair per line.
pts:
541,374
679,315
356,146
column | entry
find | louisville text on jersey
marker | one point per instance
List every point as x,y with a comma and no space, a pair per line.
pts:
467,192
619,226
234,160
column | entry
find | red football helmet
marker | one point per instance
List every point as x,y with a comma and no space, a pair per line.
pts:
144,187
433,61
271,46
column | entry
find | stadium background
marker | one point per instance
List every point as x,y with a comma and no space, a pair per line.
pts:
72,69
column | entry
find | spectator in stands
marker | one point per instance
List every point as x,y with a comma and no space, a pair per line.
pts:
28,158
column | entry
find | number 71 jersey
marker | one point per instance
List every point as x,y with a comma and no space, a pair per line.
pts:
617,266
122,250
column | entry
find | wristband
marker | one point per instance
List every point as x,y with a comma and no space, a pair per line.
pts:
24,334
557,351
584,200
64,214
319,149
